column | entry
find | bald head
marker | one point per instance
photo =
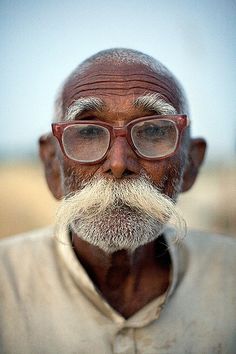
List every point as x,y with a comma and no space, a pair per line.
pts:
121,63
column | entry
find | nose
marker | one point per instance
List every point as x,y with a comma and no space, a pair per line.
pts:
121,160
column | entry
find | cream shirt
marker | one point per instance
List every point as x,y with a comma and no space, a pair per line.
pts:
48,304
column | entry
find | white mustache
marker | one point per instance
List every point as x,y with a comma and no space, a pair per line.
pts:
100,197
99,194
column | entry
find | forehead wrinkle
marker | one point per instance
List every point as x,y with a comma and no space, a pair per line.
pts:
104,74
119,78
124,85
100,91
115,74
84,104
76,87
87,81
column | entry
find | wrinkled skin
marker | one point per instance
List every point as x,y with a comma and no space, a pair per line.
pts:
126,280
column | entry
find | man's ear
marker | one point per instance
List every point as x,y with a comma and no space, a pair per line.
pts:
47,151
196,155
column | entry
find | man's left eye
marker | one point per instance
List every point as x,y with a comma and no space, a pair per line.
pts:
153,132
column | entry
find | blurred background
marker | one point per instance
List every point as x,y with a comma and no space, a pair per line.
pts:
42,42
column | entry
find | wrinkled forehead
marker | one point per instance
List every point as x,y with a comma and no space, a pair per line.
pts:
113,81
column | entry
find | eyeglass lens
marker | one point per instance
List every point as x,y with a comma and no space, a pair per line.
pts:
89,142
155,138
86,142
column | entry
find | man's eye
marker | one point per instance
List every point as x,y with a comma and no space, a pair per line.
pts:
153,131
90,132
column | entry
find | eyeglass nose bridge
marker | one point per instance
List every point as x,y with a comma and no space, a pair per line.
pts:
119,131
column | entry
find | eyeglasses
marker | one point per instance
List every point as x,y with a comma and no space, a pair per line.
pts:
152,138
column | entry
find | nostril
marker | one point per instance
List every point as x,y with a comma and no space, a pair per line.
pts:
127,173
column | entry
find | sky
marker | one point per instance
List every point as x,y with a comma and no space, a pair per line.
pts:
43,41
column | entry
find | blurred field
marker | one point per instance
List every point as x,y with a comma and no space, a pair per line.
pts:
27,204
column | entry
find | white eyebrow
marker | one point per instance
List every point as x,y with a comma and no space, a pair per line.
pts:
155,102
83,104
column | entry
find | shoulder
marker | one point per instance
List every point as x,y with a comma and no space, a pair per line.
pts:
23,249
212,256
27,240
199,241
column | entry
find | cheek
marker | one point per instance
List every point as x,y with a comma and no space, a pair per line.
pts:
166,174
75,175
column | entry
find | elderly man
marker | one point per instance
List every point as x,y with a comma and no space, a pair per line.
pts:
113,276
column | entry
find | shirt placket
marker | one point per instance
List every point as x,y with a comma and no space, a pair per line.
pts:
124,342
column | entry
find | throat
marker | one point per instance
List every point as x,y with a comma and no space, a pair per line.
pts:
128,290
127,281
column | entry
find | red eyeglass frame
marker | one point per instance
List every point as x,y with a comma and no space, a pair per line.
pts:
181,120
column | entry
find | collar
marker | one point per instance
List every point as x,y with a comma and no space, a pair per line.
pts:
149,312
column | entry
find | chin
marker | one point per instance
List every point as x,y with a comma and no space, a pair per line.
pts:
118,230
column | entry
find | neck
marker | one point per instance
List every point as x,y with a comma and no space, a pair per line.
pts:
127,280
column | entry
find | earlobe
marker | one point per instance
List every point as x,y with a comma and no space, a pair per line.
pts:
47,151
196,156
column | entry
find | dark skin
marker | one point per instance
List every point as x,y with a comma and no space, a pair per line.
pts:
128,281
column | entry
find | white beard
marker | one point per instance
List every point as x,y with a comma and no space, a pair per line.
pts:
115,215
118,228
